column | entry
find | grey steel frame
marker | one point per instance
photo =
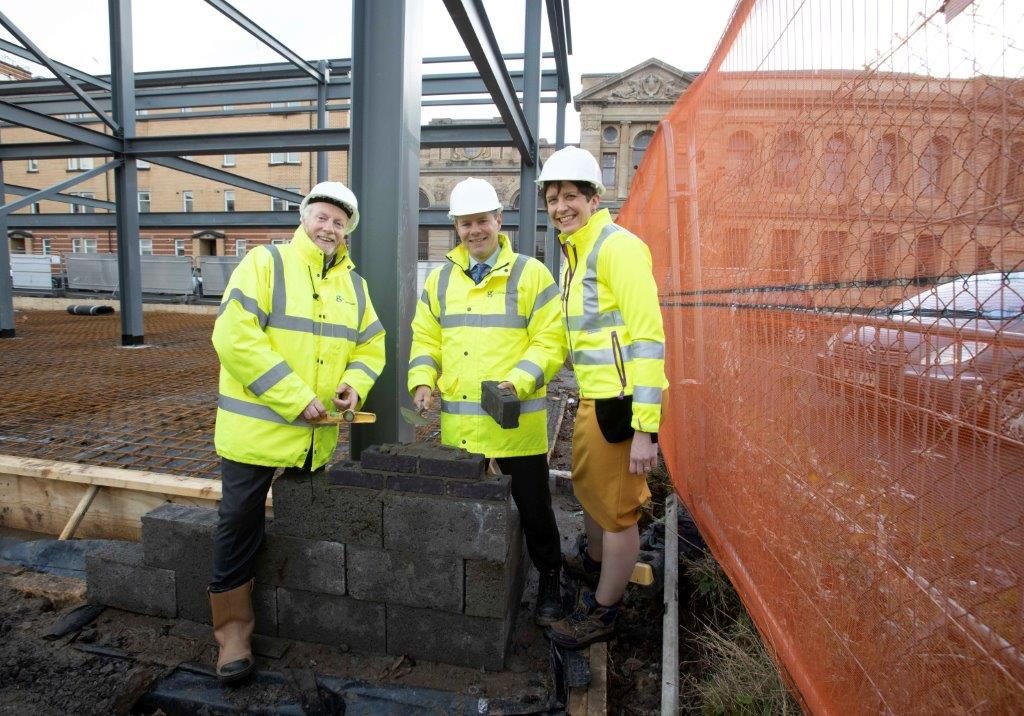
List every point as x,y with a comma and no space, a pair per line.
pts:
385,124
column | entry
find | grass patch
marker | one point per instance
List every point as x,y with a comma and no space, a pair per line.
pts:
736,674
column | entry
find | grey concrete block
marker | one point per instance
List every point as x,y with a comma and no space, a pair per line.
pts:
496,488
421,580
450,462
321,511
179,537
390,457
330,619
443,525
415,483
118,577
448,638
310,565
264,607
194,602
351,474
493,589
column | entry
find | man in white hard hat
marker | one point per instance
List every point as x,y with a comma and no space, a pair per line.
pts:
617,345
296,334
492,314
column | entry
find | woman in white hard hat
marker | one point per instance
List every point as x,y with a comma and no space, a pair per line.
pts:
492,314
617,345
296,332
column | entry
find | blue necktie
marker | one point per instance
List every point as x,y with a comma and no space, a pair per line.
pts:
478,272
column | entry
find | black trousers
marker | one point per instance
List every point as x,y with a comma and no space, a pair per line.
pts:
533,498
242,520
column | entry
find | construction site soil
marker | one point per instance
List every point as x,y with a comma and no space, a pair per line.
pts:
73,394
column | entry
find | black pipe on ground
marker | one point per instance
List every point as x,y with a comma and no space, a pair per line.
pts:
83,310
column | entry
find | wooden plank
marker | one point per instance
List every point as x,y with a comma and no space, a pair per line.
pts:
69,529
597,694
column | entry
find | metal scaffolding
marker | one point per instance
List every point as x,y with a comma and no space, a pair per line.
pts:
385,124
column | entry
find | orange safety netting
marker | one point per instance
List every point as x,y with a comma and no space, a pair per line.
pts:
836,214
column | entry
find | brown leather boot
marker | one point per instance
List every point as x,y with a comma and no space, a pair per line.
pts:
233,622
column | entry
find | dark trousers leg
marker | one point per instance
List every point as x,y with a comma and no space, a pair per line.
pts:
533,498
240,524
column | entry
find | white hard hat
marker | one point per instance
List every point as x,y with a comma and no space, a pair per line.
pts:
571,164
472,196
334,192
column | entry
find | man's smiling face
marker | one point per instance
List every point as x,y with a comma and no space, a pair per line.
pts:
325,224
479,233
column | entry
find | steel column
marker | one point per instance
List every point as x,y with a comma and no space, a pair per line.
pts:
384,173
126,183
321,118
531,110
6,283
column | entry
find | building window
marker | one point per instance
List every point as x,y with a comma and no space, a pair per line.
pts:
934,167
47,247
783,251
291,103
229,200
610,134
279,204
229,160
733,252
240,247
877,260
34,208
423,235
882,167
79,164
179,247
472,152
142,164
284,157
837,151
33,165
608,166
927,253
82,208
186,201
144,202
829,266
787,161
146,247
279,242
738,153
228,107
640,144
83,246
1015,172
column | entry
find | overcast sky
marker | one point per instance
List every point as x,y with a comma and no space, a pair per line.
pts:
607,35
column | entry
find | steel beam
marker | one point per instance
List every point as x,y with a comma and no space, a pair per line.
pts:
219,175
83,77
57,127
46,193
321,119
55,68
557,29
126,180
6,282
65,198
531,108
263,36
471,21
384,172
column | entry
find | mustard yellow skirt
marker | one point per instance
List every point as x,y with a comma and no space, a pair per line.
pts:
601,479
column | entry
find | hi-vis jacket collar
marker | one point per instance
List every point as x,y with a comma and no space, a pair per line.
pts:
589,231
314,256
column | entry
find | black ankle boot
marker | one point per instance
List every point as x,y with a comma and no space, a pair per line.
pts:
549,604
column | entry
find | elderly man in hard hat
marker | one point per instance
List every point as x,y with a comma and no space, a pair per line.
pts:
492,314
617,346
296,335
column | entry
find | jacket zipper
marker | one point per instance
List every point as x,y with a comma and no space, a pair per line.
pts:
570,271
620,363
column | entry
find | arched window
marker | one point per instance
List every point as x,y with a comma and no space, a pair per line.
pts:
1015,172
882,168
739,152
934,167
837,152
640,144
787,163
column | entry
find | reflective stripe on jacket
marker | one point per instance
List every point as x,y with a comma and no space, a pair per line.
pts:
507,328
613,318
288,332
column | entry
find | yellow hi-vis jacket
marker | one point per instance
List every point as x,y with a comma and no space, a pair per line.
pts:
613,318
507,328
288,332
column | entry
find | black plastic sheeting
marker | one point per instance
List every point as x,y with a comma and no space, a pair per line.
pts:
65,558
192,693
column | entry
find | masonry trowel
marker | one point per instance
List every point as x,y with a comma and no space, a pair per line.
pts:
412,417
